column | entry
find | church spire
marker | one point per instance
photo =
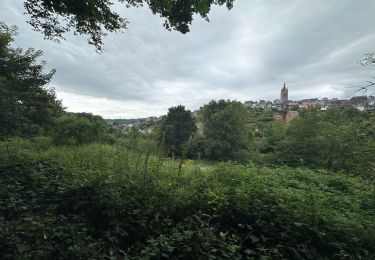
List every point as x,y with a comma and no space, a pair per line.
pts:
284,94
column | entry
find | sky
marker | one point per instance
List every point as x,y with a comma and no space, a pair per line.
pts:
246,53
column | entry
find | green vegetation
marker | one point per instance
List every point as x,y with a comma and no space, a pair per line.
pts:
338,139
82,128
225,132
176,128
224,136
26,106
103,201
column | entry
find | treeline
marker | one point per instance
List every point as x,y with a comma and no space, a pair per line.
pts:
339,139
222,135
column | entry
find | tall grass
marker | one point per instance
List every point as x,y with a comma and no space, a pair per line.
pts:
147,205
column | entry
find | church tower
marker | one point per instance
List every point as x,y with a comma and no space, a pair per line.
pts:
284,95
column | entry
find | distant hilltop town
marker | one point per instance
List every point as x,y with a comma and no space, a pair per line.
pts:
283,109
360,102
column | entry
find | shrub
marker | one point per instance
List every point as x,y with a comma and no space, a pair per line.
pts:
78,129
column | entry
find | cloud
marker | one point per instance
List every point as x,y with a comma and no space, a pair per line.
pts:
246,53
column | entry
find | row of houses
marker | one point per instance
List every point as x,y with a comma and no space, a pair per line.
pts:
360,102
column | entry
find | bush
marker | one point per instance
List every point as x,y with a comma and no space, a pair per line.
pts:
241,156
78,129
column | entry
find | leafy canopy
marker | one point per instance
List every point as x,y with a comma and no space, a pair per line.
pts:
92,18
27,106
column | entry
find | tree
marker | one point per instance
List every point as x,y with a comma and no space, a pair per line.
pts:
367,60
275,135
27,106
350,136
301,145
78,129
225,130
56,17
338,139
176,128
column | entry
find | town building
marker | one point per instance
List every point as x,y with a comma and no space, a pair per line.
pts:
360,102
290,115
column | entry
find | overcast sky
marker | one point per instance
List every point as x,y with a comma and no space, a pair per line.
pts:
246,53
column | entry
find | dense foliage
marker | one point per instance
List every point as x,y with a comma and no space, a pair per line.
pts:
340,139
225,136
27,106
337,139
80,128
101,201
